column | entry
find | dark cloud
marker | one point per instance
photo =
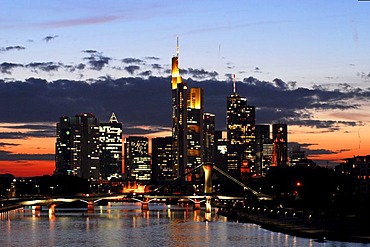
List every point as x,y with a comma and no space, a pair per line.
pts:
156,66
49,38
152,58
146,73
4,155
364,75
96,60
147,101
6,68
130,60
44,66
4,144
11,48
132,68
199,73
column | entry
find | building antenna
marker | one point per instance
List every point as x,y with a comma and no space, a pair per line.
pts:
234,86
177,47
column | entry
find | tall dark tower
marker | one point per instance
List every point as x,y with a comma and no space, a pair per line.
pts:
179,118
195,132
77,146
280,137
209,137
111,148
240,135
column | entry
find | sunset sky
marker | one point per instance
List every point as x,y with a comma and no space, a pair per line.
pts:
304,63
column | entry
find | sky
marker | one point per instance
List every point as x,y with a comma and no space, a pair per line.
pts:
304,63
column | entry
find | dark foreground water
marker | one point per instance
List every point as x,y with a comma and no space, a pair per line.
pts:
124,224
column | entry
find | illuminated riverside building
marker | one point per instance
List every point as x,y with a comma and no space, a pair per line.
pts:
280,137
209,137
77,146
262,138
195,110
240,135
162,159
110,142
137,159
179,118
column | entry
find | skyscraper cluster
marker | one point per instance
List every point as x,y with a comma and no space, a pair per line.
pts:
93,150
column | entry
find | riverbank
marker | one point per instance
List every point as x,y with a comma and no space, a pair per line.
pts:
344,229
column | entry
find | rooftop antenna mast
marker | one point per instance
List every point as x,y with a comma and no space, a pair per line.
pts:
234,86
177,47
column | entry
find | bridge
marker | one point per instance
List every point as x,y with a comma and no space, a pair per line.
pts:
144,198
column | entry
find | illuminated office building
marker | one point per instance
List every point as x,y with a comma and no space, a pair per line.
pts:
194,132
179,118
262,137
209,137
220,149
77,146
241,135
162,159
111,148
280,137
137,159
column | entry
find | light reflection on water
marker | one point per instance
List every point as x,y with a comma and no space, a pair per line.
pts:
125,224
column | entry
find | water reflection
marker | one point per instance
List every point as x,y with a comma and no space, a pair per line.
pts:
124,224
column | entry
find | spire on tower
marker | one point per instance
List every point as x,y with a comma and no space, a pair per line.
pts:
113,118
177,47
234,86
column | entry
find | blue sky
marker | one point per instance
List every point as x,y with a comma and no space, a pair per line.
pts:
309,42
304,63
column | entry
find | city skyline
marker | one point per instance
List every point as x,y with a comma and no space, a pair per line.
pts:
115,57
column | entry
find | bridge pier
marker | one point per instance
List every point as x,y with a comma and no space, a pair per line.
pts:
145,205
52,209
207,168
37,208
208,204
90,206
196,205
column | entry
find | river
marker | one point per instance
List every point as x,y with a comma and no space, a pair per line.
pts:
125,224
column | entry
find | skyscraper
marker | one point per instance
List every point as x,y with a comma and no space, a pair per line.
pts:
77,146
179,118
209,137
240,135
280,137
262,137
137,159
195,132
110,142
162,159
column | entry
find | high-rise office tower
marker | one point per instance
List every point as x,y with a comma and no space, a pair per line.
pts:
220,149
240,134
77,146
209,137
111,148
262,137
162,159
137,159
280,137
195,132
179,118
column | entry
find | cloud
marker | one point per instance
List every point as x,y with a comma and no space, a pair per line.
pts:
12,48
132,68
152,58
156,66
146,100
49,38
6,68
96,60
8,156
199,73
80,22
130,60
44,66
364,75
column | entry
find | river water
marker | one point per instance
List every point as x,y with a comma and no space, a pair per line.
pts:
125,224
